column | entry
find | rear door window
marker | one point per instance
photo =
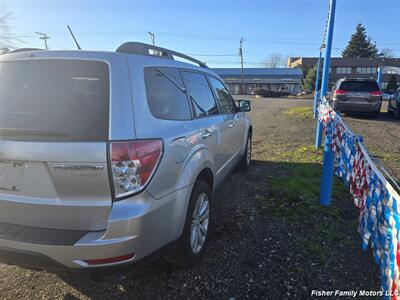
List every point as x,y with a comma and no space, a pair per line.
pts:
54,100
359,86
200,94
166,94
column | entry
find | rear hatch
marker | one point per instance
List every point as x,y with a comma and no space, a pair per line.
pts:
358,91
54,116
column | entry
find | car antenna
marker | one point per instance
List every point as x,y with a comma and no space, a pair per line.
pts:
73,36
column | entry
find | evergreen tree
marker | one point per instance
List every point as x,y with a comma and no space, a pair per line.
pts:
392,84
309,81
360,45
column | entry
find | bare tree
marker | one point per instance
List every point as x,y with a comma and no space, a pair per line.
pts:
274,60
387,53
8,40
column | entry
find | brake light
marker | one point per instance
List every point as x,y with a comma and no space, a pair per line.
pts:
340,92
133,164
375,93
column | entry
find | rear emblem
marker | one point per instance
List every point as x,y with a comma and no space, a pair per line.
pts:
83,170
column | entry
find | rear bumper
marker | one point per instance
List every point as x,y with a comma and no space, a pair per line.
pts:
357,107
139,225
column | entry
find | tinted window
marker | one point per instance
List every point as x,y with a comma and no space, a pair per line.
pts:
166,95
200,94
224,98
54,100
359,86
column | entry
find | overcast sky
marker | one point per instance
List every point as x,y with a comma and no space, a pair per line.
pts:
206,28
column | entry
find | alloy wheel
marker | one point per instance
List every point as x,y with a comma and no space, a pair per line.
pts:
200,220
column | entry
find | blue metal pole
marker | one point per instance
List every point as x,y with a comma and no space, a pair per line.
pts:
327,63
327,169
379,78
317,86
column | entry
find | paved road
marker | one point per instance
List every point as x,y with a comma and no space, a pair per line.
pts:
250,255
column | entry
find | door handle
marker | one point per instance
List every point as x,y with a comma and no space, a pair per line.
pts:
232,124
206,134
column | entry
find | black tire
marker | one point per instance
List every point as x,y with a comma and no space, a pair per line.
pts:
375,114
183,255
245,161
397,112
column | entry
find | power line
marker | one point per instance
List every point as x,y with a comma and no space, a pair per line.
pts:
211,55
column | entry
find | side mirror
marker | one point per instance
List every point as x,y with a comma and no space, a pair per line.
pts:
244,105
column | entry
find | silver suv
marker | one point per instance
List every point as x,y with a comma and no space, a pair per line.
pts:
106,157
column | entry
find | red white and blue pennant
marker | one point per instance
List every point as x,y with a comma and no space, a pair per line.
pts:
376,199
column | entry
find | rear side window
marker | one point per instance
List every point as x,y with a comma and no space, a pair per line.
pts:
200,94
54,100
224,98
166,95
359,86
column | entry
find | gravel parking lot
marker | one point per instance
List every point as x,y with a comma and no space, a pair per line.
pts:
271,239
382,138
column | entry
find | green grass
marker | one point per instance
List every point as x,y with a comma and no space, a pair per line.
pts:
293,192
304,112
295,187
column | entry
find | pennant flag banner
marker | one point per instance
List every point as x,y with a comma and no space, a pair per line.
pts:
377,200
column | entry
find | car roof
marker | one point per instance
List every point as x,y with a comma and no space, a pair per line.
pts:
140,59
357,79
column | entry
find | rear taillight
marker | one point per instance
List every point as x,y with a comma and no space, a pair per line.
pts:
375,93
132,165
340,92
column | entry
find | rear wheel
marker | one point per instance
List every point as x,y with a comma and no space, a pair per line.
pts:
191,245
375,114
397,111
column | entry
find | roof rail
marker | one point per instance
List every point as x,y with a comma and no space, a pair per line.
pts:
24,50
145,49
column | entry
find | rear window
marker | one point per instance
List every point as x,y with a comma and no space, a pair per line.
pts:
359,86
54,100
166,94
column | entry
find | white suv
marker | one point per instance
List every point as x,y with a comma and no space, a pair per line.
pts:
106,157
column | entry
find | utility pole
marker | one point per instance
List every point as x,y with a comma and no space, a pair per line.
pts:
44,37
153,37
241,62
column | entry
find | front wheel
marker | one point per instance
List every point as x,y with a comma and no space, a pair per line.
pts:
192,243
245,161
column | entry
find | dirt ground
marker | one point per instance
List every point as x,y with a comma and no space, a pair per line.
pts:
271,238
